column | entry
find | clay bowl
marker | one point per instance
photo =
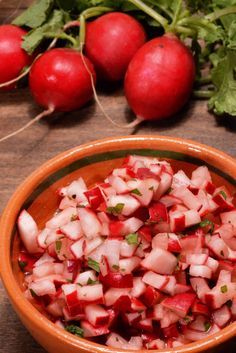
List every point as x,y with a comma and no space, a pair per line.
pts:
93,162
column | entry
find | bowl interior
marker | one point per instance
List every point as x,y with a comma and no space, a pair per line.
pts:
43,201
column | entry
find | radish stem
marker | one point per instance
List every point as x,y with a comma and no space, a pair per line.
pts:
219,13
31,122
203,94
149,11
176,16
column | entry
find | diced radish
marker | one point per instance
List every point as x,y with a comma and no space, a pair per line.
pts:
156,344
192,217
77,248
95,197
117,280
187,197
229,217
118,184
180,303
196,259
48,268
28,232
84,277
93,331
212,263
90,224
90,293
170,200
177,221
44,258
160,261
62,218
160,241
127,250
155,280
200,286
180,179
165,184
129,203
112,252
42,237
200,271
200,177
129,265
72,230
141,190
218,246
43,287
139,287
113,294
194,335
132,225
67,202
116,341
96,315
91,245
76,190
222,316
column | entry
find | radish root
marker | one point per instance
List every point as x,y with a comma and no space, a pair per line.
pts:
133,124
47,112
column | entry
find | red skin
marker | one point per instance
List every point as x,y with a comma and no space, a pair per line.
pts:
159,78
111,42
13,58
59,79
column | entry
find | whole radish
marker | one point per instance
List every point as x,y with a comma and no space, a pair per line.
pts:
160,78
60,80
13,59
111,42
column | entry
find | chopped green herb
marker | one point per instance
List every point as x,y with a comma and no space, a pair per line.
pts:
75,330
58,246
187,319
223,194
116,209
122,269
151,188
132,239
222,253
136,192
91,282
116,267
93,264
229,303
224,289
22,264
69,280
32,292
169,190
207,222
74,217
207,325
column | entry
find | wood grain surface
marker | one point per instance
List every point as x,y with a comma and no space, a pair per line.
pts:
27,151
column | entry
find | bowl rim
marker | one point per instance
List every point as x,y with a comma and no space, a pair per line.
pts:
23,306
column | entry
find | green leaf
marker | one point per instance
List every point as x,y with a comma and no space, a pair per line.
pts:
91,282
116,267
136,192
207,325
224,289
207,222
66,5
34,38
223,194
132,239
33,294
75,330
58,246
93,264
35,15
223,77
116,209
22,264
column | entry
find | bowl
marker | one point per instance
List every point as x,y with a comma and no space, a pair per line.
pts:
93,161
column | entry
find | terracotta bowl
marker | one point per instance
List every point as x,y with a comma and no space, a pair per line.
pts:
93,162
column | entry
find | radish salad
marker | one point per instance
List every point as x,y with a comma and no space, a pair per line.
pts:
144,260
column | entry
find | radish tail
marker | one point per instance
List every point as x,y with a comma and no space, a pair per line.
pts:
47,112
133,124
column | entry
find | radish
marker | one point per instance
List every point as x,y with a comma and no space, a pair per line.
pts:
13,59
111,42
159,78
60,81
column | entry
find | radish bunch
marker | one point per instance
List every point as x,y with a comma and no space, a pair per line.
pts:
144,260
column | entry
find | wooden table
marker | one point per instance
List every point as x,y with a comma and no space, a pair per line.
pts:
25,152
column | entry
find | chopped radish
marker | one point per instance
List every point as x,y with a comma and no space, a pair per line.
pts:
160,261
90,224
28,232
72,230
96,315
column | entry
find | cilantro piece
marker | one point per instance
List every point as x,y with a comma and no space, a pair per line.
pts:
91,282
207,222
93,264
58,246
223,194
207,326
132,239
69,280
75,330
136,192
116,209
35,15
224,289
115,267
74,217
187,319
33,294
22,264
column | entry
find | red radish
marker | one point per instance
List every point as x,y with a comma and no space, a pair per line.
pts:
28,232
159,78
180,303
59,80
111,42
13,59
